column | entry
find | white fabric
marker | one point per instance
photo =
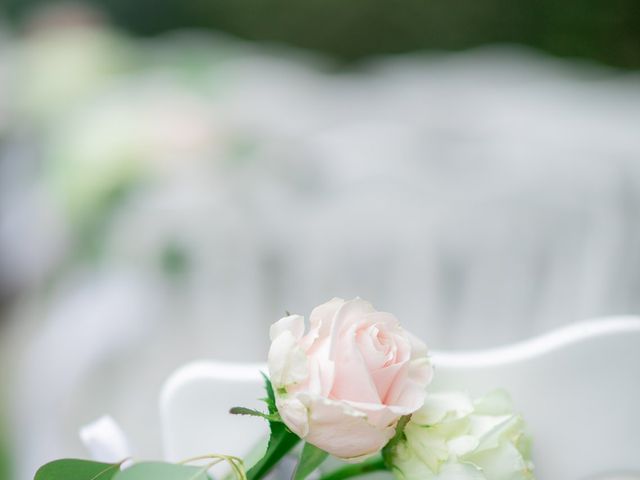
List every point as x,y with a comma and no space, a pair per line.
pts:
105,441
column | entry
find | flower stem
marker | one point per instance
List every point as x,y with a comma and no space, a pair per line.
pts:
348,471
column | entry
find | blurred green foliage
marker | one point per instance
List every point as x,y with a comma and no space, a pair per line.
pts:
606,31
4,454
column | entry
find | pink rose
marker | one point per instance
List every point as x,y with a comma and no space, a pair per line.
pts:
343,386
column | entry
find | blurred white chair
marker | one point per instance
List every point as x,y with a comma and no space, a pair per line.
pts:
578,389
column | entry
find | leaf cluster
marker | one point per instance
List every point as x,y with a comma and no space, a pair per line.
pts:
73,469
281,441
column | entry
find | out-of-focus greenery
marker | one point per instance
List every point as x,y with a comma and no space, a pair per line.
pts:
4,454
607,31
4,466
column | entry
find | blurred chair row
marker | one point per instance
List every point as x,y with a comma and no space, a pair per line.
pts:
170,205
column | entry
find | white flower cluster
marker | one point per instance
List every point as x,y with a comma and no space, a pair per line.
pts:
454,438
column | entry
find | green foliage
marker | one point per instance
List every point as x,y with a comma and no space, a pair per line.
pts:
174,259
5,459
254,413
281,440
72,469
355,29
374,464
310,458
270,399
388,450
162,471
5,468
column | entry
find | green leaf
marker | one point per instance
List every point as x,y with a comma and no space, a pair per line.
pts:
271,396
374,464
281,440
310,459
162,471
254,413
72,469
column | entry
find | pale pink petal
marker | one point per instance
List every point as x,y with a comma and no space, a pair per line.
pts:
293,324
321,371
397,387
294,414
418,347
384,379
326,369
321,374
322,316
412,397
410,391
421,371
348,315
374,353
403,348
387,319
343,431
287,362
380,415
352,380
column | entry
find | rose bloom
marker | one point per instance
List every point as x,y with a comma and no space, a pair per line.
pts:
345,384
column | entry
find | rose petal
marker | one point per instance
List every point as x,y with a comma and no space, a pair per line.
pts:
352,379
421,371
322,371
343,431
371,349
378,414
387,319
347,316
322,317
418,347
384,378
287,361
293,324
294,414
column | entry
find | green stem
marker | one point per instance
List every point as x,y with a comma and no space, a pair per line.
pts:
279,446
348,471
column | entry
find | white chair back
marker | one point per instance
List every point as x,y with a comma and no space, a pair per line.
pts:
578,389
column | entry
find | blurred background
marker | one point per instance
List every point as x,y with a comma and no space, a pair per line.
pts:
175,175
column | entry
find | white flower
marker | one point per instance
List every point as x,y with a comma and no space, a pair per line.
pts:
453,438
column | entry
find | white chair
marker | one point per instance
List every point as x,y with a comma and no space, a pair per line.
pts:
578,389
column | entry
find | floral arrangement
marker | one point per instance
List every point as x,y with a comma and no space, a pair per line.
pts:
354,386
